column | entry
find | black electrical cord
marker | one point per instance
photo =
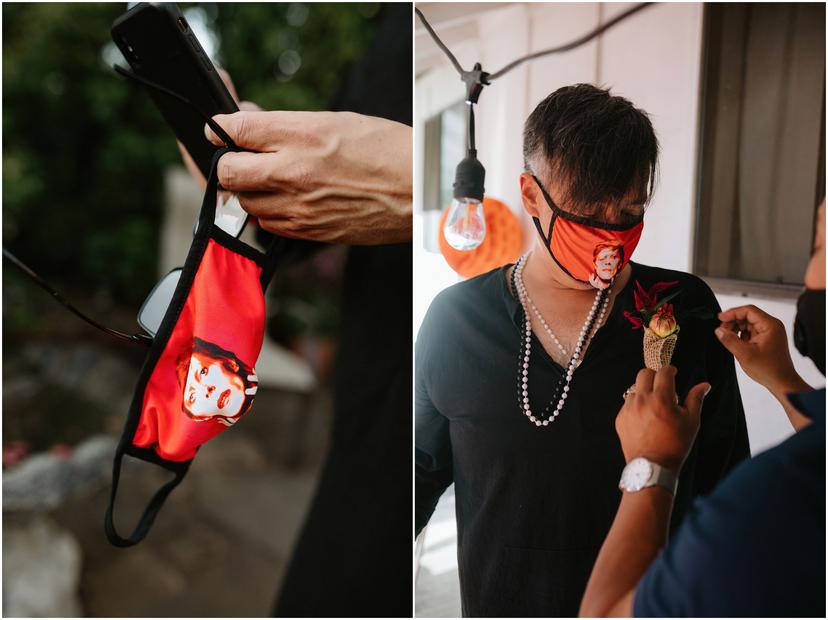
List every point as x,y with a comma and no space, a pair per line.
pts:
554,50
472,147
437,40
572,44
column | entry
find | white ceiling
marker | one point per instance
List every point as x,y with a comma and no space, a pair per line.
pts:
453,22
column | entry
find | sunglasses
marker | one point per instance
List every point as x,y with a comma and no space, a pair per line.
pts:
230,217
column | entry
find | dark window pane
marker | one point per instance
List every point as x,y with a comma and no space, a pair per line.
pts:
762,140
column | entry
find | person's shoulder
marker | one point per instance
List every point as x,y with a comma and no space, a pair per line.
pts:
690,285
458,301
796,461
486,286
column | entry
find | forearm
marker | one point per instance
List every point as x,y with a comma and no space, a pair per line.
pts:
638,533
780,391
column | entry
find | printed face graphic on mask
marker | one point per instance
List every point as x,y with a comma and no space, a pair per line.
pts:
607,258
588,249
217,385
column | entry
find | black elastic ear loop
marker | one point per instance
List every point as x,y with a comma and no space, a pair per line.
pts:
180,468
150,512
207,118
554,208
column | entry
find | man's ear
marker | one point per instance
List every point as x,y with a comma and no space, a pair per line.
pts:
531,195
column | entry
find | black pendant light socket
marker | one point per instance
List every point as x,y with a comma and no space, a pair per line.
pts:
469,178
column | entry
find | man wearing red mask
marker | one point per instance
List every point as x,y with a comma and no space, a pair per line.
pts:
520,372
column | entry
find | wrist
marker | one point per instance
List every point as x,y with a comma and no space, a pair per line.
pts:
671,464
643,472
783,386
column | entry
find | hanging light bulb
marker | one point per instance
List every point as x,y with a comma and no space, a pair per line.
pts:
465,226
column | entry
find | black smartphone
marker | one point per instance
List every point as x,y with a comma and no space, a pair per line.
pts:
159,45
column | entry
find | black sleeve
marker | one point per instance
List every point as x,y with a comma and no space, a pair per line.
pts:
432,444
723,440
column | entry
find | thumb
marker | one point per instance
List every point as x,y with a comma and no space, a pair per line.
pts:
695,398
252,130
731,342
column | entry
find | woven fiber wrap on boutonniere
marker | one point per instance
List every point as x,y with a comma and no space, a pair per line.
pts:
659,322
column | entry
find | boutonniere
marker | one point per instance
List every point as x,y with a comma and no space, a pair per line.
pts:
658,319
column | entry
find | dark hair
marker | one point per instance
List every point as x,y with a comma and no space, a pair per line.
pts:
600,146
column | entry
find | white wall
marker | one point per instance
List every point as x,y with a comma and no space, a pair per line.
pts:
654,60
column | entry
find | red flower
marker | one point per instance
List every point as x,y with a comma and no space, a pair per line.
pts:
637,322
647,300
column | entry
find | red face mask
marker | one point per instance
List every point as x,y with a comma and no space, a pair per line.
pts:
198,379
589,250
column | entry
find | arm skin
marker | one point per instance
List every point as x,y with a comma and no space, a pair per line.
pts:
651,424
781,391
759,343
638,533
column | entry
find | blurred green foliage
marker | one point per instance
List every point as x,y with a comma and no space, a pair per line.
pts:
84,151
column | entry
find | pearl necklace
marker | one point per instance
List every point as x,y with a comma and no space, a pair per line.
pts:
601,299
524,294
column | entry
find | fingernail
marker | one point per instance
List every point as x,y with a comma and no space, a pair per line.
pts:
707,389
719,332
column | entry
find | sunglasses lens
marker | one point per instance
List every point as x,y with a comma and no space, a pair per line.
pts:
155,307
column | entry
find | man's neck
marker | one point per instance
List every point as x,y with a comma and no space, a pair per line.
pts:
551,288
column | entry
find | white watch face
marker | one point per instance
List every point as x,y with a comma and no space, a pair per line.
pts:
636,474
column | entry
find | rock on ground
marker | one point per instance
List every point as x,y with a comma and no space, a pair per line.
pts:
41,570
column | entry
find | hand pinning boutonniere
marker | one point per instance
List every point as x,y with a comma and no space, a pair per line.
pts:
659,322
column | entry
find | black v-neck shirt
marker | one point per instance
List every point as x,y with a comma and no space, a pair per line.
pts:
534,504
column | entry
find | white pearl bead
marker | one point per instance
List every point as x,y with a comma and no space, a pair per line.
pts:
546,422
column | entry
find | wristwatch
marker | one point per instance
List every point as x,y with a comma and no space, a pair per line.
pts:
641,473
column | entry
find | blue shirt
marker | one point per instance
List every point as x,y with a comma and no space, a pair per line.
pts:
756,545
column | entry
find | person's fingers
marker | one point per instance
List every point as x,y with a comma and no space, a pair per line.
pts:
256,131
249,106
731,341
228,82
644,381
748,317
665,382
192,167
733,314
267,205
695,398
247,172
